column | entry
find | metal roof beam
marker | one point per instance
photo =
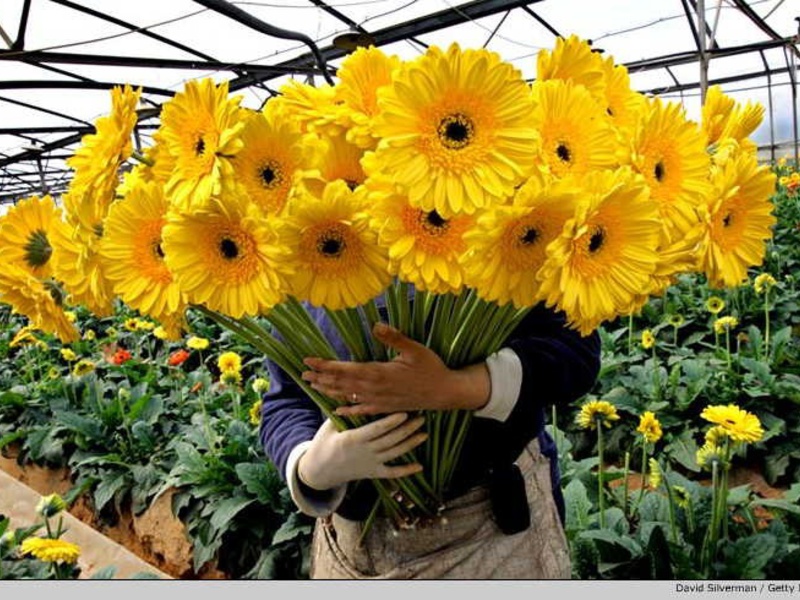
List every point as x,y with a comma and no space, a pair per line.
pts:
760,23
19,43
718,81
546,25
470,11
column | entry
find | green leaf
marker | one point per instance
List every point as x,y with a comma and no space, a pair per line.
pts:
683,449
12,399
295,526
577,505
12,437
107,487
261,480
144,575
90,428
613,547
746,557
658,551
105,573
777,503
227,510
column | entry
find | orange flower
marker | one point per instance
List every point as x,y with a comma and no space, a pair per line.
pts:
121,356
178,357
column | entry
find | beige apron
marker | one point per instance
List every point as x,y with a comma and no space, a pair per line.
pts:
465,544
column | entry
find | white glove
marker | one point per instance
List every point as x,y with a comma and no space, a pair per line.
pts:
336,457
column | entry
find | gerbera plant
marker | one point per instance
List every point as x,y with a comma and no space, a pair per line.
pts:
445,190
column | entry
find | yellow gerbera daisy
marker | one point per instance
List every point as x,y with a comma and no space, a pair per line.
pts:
25,234
268,165
132,249
739,220
763,283
623,105
337,159
78,264
226,256
23,336
724,324
669,151
654,476
313,109
596,412
709,454
83,367
360,75
576,135
741,425
716,435
715,304
68,354
715,113
51,550
229,361
41,302
649,427
254,414
572,60
507,246
336,257
456,129
648,339
101,154
200,127
606,253
197,343
423,246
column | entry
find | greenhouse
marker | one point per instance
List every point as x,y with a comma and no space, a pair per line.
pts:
400,289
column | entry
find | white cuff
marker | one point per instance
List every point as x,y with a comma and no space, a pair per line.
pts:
505,372
310,506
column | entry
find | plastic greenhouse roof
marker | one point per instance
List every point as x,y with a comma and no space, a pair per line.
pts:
58,58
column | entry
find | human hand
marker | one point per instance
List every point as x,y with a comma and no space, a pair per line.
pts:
415,379
336,457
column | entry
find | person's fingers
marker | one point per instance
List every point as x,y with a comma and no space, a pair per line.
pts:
395,339
398,434
406,445
379,427
359,410
397,471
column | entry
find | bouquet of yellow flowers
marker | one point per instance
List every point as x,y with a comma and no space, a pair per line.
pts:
449,173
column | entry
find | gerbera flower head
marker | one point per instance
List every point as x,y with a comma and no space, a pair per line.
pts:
83,367
456,129
572,59
200,127
68,354
577,138
50,505
724,324
649,427
722,117
739,220
160,333
648,339
360,75
763,283
740,425
133,249
606,254
715,305
335,255
25,232
622,104
595,413
230,378
178,357
120,356
709,454
337,159
23,336
260,385
676,320
226,256
682,496
716,435
669,151
254,414
51,550
229,361
40,301
313,109
98,158
271,160
423,246
197,343
506,247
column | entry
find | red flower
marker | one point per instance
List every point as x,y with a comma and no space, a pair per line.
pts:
178,357
121,356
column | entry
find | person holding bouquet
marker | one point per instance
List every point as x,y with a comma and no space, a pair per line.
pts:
503,512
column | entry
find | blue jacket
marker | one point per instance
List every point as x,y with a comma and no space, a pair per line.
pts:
559,366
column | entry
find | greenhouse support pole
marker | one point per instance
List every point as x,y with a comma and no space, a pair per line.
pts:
769,103
792,64
701,33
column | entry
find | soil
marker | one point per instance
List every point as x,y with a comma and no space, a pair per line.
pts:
156,536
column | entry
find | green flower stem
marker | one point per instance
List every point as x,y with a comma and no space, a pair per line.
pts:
644,472
766,324
442,314
423,302
630,333
600,495
373,316
292,314
358,326
625,471
404,308
352,339
728,347
656,376
391,305
713,533
673,526
142,159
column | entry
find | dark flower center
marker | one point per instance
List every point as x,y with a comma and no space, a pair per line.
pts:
56,293
529,236
563,153
433,223
271,174
199,146
456,131
228,248
98,229
658,171
331,244
38,249
597,240
726,220
157,250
